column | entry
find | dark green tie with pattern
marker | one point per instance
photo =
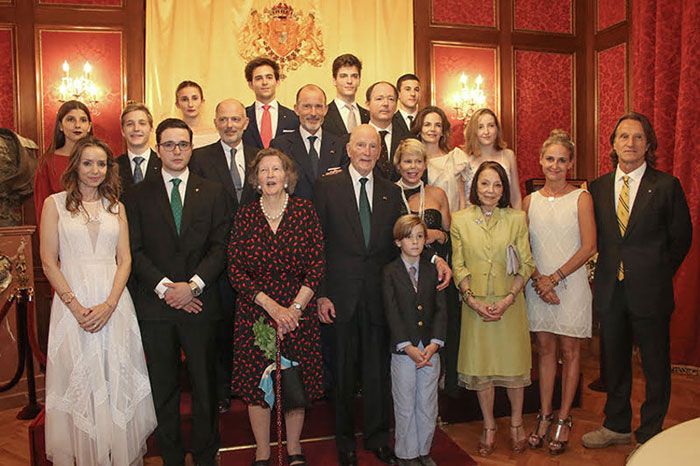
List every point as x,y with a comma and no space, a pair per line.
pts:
176,203
365,212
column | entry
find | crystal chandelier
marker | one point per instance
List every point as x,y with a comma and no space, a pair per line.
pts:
468,99
82,88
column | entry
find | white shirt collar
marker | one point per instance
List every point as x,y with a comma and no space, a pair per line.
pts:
355,175
184,176
409,265
273,105
145,155
405,114
387,129
305,134
340,103
636,174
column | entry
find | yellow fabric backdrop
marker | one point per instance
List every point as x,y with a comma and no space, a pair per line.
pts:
198,40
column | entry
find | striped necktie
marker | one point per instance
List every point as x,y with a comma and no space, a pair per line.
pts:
623,217
176,203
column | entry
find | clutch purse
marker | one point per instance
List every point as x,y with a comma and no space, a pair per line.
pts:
512,260
293,393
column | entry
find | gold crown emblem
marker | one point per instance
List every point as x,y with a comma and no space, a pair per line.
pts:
282,11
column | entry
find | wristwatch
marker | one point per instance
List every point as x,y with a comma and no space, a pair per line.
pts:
196,290
297,306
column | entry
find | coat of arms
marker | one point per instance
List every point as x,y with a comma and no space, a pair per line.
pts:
289,37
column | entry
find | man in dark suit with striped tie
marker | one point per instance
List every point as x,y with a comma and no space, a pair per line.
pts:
644,233
139,161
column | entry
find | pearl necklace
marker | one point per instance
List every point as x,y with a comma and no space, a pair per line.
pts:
421,205
279,214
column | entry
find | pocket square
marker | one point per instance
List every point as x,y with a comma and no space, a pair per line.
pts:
288,130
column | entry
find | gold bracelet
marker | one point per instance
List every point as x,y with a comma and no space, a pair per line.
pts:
466,294
67,297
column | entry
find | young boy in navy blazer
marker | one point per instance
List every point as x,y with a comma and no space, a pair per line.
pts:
417,316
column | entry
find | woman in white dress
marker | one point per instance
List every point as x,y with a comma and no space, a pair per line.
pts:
189,99
483,141
99,409
447,168
563,238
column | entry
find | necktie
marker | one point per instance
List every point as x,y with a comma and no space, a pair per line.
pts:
235,176
138,173
365,212
352,120
413,273
623,216
176,203
313,155
410,121
266,126
384,163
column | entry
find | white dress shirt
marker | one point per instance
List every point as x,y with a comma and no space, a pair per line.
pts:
160,288
344,112
274,115
305,137
635,178
405,116
239,159
387,138
356,186
146,155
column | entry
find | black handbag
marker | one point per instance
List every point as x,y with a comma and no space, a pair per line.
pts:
293,393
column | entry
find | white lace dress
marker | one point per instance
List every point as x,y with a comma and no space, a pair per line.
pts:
554,238
99,408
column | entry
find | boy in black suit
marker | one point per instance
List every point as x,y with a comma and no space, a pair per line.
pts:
416,312
139,161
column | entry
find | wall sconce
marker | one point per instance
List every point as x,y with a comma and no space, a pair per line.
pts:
82,88
468,99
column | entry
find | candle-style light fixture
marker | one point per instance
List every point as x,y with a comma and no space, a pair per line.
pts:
82,88
468,99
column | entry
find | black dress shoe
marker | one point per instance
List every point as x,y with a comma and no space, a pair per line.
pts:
347,458
224,405
385,455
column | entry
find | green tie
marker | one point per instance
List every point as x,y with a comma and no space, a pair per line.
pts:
176,203
365,212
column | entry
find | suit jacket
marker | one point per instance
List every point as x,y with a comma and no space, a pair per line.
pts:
333,122
158,251
397,136
127,177
400,125
654,245
333,154
209,162
413,316
287,121
354,271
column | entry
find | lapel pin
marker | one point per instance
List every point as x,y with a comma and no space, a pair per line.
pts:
332,151
650,190
196,190
384,198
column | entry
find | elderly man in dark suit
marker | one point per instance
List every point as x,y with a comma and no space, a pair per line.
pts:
357,211
644,233
177,227
139,161
267,117
344,114
226,162
316,152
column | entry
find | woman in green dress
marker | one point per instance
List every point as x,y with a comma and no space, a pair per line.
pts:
491,262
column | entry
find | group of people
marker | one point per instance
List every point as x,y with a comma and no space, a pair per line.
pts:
331,233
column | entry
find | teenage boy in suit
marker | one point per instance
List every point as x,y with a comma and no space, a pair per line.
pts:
139,161
344,114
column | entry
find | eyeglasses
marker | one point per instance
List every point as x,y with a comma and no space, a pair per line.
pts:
170,146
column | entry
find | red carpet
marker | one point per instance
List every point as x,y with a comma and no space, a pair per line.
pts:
445,453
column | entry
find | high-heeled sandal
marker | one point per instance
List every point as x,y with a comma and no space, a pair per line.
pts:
556,445
485,449
518,446
543,420
298,460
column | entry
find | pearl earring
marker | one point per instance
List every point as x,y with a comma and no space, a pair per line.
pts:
286,185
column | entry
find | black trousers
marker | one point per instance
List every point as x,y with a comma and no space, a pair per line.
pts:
362,352
162,343
620,328
224,339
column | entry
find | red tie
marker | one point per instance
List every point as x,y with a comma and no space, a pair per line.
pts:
266,127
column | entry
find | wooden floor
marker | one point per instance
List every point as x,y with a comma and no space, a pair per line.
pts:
685,405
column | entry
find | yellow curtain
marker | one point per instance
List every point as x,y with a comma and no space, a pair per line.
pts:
198,40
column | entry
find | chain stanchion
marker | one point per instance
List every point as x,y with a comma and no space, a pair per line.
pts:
278,398
33,407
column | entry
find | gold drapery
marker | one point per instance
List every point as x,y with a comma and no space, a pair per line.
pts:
198,40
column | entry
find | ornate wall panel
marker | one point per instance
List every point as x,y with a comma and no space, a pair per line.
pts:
98,3
611,92
8,96
464,12
544,100
546,16
609,13
103,49
449,61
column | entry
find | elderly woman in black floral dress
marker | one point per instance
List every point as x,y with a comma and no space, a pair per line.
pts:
275,262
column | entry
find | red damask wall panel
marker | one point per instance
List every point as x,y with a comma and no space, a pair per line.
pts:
7,79
610,12
115,3
544,90
449,62
469,12
548,16
103,49
611,86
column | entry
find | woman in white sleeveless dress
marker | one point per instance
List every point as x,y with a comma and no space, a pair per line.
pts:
483,141
99,409
563,238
